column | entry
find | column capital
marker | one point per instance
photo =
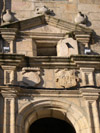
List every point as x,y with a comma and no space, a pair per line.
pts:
83,38
9,92
83,69
90,94
5,67
8,34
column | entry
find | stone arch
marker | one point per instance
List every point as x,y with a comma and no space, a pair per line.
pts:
51,108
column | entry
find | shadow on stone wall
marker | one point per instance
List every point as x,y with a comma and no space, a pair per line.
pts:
95,44
96,38
1,113
88,23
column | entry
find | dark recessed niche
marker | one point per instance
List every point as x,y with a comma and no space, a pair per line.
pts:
44,50
51,125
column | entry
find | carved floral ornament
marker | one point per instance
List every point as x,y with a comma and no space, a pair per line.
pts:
31,76
65,78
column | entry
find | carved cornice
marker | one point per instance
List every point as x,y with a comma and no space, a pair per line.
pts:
71,27
20,91
25,24
9,91
89,94
72,62
46,19
87,61
11,59
50,62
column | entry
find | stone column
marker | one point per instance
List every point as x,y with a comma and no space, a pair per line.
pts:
9,110
87,76
9,74
12,46
34,48
91,97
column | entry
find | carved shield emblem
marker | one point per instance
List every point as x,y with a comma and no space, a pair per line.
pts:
65,78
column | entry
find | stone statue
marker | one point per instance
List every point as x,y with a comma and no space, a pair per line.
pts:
43,10
80,18
7,17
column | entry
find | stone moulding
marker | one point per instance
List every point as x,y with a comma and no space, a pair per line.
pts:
72,62
25,24
76,30
11,59
80,92
66,25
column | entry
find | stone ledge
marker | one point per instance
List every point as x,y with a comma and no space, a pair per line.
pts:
72,62
10,59
21,91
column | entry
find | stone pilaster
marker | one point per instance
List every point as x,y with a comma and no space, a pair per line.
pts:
91,97
87,76
34,48
9,74
9,110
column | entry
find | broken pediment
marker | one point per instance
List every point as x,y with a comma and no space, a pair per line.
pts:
41,34
49,20
49,24
45,28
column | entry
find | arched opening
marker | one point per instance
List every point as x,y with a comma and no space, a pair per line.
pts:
51,125
48,108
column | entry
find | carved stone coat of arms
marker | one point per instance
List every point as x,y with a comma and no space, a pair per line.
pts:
65,78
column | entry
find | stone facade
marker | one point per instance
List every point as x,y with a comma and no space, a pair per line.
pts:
50,64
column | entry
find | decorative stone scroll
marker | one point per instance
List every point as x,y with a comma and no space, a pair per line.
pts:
31,76
65,78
